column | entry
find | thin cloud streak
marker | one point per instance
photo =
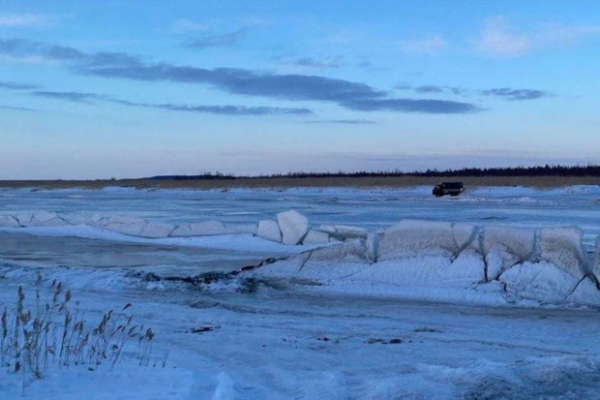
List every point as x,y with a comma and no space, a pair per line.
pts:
22,20
17,86
89,98
16,108
343,121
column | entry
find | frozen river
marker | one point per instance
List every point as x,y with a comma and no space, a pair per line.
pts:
368,208
286,341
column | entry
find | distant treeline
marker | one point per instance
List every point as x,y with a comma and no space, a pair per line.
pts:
546,170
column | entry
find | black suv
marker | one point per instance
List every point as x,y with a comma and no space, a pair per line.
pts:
451,188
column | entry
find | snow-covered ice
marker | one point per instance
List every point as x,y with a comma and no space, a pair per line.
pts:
413,297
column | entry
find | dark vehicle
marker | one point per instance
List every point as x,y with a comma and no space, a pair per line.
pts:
451,188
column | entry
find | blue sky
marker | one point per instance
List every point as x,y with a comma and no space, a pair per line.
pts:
137,88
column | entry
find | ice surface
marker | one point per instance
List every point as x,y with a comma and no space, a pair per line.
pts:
293,225
562,247
269,229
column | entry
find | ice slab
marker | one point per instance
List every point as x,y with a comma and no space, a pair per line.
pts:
597,261
467,270
8,221
316,237
506,246
517,241
344,231
412,238
293,225
562,247
157,230
126,225
269,229
206,228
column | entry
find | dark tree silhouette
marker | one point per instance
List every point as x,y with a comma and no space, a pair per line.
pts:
546,170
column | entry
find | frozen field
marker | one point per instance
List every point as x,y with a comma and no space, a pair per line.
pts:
258,334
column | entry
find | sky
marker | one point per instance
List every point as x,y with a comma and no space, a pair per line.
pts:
132,88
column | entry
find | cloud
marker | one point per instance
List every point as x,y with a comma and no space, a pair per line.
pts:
348,94
427,89
310,62
22,20
17,86
342,121
413,106
426,45
516,94
504,92
185,25
222,40
88,98
230,110
77,97
499,38
14,108
565,35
